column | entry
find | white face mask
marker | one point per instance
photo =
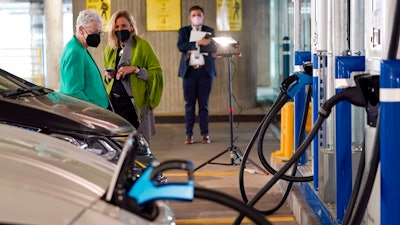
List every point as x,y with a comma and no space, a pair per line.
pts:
197,20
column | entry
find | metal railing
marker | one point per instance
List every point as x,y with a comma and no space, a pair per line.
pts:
23,62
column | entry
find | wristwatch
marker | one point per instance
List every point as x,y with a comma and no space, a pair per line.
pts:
137,70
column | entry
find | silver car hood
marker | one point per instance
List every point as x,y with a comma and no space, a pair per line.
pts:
53,160
44,180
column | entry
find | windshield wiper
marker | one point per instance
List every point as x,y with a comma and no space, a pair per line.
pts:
22,91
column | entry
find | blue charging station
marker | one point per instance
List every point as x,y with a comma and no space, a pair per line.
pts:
344,66
389,96
300,57
319,64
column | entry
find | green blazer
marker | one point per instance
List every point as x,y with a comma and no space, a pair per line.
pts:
147,93
79,75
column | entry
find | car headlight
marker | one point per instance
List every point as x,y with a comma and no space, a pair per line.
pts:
99,145
110,148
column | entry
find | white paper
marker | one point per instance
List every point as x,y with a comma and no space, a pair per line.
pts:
197,35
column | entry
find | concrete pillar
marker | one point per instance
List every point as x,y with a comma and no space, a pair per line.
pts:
53,14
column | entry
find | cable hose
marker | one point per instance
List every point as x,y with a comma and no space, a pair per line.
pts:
374,164
226,200
351,94
394,37
364,199
261,148
294,169
275,108
241,171
287,166
285,196
356,189
281,99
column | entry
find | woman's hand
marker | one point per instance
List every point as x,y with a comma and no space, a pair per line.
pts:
125,70
110,73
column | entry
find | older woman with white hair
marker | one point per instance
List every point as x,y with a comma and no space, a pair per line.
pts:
79,74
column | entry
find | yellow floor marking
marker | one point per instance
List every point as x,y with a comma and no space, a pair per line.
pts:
140,164
230,221
222,220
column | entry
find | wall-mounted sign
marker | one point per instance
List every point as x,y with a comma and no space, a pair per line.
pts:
229,15
163,15
103,8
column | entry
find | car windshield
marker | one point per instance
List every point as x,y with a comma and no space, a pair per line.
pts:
9,82
11,85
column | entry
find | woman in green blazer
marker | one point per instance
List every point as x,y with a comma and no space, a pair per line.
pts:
79,74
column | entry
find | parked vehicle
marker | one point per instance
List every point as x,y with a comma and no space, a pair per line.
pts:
45,180
81,123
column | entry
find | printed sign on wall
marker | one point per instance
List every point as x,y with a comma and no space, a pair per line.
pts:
163,15
229,15
103,8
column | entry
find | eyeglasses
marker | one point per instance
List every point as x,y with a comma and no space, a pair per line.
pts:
101,33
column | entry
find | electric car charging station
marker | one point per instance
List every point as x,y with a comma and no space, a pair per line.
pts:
345,72
351,181
355,97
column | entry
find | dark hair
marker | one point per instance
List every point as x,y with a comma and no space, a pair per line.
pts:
196,7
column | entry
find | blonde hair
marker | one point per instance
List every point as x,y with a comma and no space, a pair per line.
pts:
112,38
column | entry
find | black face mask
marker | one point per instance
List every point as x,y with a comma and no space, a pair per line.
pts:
122,35
93,40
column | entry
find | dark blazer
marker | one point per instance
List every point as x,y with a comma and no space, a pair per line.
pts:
184,45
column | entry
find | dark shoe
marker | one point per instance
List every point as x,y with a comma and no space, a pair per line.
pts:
206,139
189,140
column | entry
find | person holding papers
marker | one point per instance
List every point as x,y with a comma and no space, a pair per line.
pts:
197,69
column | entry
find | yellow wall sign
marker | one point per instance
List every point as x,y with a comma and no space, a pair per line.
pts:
229,15
163,15
103,8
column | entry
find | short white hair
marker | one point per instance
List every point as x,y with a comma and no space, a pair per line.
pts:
87,17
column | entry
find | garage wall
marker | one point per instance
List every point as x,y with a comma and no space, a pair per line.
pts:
248,71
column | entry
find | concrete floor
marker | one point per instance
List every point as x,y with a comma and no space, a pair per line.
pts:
168,144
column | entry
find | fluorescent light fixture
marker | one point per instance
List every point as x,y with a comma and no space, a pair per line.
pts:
224,41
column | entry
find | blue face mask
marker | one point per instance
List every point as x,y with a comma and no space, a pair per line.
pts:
122,35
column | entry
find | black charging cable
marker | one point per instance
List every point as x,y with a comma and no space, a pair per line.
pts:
353,95
275,108
356,219
294,169
289,87
302,132
369,184
281,100
226,200
356,189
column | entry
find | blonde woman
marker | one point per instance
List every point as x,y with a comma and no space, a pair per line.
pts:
133,74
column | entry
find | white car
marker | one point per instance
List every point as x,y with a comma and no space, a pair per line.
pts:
44,180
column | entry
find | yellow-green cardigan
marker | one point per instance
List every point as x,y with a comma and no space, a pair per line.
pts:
147,93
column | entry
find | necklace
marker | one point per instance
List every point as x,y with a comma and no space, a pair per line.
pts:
122,50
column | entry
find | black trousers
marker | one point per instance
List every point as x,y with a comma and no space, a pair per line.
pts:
123,106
